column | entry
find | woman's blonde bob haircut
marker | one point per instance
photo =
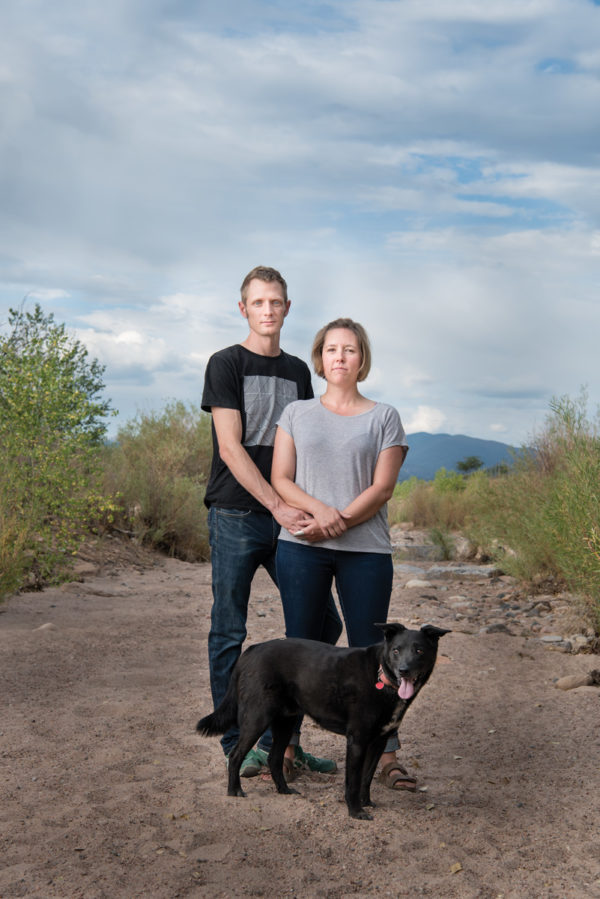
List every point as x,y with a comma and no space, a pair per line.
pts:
363,345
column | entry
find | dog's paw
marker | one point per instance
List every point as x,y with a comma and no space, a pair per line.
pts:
361,814
288,790
236,792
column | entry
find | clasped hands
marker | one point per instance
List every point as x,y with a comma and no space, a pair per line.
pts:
327,522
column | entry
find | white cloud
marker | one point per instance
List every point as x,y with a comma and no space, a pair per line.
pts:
47,294
425,419
428,168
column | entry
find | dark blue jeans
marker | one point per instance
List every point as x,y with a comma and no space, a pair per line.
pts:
364,585
240,542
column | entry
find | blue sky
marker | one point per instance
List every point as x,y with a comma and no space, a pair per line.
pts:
428,167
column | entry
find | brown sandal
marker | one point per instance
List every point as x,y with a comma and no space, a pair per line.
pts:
395,777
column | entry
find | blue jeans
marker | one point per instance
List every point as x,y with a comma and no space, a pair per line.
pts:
364,584
240,542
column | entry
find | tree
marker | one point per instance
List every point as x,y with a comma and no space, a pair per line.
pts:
471,463
52,423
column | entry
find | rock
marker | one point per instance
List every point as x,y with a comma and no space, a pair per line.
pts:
446,571
551,638
460,603
574,680
509,580
464,550
46,627
416,583
495,629
420,552
579,641
408,569
535,611
83,569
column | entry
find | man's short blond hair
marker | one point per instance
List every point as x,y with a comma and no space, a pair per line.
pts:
263,273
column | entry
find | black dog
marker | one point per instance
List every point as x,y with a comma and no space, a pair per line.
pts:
360,693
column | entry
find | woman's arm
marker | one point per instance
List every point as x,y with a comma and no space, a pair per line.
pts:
228,427
367,503
327,519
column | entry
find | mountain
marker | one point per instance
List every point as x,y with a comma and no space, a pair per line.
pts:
430,452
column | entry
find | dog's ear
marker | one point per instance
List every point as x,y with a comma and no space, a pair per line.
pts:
391,629
434,633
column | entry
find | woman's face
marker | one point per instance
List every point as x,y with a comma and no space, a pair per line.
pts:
341,356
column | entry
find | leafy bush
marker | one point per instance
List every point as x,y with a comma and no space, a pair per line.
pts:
442,538
444,503
470,464
538,518
51,427
448,481
547,511
156,473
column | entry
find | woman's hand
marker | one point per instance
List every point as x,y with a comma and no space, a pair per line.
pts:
329,520
311,531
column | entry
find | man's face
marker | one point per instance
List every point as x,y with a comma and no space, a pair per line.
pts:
265,307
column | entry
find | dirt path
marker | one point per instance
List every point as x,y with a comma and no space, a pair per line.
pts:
107,792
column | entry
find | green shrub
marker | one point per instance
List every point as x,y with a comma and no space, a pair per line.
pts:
448,481
442,503
547,511
469,464
51,427
156,473
14,537
540,517
442,538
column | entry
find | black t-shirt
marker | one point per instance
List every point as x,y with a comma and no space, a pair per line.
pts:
260,387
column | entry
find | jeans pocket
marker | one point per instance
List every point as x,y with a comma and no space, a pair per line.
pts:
231,513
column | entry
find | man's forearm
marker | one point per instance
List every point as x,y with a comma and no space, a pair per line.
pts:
246,473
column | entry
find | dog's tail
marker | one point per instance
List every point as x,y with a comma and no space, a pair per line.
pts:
223,717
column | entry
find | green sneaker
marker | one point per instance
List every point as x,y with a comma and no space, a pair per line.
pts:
304,761
254,762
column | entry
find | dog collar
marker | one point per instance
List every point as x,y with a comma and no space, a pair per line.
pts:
383,680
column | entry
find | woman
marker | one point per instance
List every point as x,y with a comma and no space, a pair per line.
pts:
337,458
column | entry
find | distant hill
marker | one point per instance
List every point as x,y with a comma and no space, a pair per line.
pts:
430,452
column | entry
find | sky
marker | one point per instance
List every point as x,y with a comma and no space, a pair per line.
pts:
430,168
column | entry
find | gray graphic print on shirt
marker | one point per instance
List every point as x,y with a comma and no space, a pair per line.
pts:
265,398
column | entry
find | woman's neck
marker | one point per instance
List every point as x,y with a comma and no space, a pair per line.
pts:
345,401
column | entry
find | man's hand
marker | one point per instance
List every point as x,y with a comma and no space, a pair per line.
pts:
289,518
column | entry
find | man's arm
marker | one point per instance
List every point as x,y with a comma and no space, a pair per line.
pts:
228,427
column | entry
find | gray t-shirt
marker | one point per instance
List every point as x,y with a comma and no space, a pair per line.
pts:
336,457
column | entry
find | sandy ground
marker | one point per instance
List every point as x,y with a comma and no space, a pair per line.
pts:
106,790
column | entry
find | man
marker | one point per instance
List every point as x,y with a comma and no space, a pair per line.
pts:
246,388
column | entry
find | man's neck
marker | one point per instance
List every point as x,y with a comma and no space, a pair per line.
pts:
262,346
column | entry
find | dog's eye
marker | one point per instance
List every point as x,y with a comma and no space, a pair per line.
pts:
418,650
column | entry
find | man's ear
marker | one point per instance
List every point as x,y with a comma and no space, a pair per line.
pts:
242,308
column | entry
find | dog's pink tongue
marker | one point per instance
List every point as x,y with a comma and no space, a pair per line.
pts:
406,689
